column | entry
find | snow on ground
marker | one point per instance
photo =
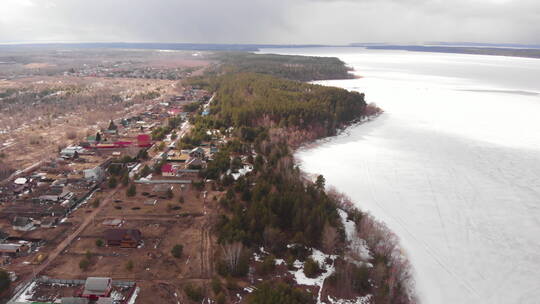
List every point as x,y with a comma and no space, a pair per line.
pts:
242,171
356,244
359,300
20,181
320,258
452,167
133,298
27,293
328,269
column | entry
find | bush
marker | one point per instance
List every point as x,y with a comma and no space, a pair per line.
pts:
145,171
132,190
177,251
112,182
99,242
181,199
129,265
290,262
216,285
125,179
311,268
84,264
231,283
5,281
267,266
221,299
194,293
95,203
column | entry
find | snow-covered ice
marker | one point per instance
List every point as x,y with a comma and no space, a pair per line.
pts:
452,167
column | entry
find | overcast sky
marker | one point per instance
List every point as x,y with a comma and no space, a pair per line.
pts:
271,21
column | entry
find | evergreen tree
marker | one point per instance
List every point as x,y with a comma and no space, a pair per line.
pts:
132,190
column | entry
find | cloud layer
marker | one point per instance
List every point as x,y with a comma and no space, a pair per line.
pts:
271,21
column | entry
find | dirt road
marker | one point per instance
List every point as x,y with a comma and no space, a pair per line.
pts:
65,243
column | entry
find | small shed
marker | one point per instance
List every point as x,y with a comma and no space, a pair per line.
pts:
161,190
11,250
112,222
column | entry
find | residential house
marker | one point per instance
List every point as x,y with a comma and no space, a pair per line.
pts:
161,190
125,238
96,174
177,157
49,222
195,163
168,170
197,152
71,151
96,287
22,223
13,250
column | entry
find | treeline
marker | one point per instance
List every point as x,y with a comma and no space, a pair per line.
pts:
302,68
251,100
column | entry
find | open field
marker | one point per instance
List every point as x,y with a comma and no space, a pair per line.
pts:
50,99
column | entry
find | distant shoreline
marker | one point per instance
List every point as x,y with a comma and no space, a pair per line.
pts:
524,51
493,51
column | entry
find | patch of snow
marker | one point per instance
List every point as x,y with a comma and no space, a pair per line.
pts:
257,257
359,300
116,295
320,258
242,171
134,296
20,181
357,245
27,294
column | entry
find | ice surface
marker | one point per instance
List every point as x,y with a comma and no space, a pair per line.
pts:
453,168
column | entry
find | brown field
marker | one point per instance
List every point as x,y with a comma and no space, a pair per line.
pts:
155,269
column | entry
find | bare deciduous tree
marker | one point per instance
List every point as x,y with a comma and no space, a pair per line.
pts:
231,254
330,238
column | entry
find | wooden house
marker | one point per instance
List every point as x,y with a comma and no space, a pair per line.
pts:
125,238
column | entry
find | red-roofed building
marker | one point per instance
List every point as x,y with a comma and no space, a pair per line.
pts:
144,140
123,144
168,170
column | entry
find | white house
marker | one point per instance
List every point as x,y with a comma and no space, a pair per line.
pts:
94,174
71,151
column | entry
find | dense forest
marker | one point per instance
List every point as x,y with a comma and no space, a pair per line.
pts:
302,68
305,111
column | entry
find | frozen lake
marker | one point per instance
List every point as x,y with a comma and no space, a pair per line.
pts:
452,167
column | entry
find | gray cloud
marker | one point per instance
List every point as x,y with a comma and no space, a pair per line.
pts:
271,21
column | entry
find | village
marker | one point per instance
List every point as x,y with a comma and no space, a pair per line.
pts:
119,214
